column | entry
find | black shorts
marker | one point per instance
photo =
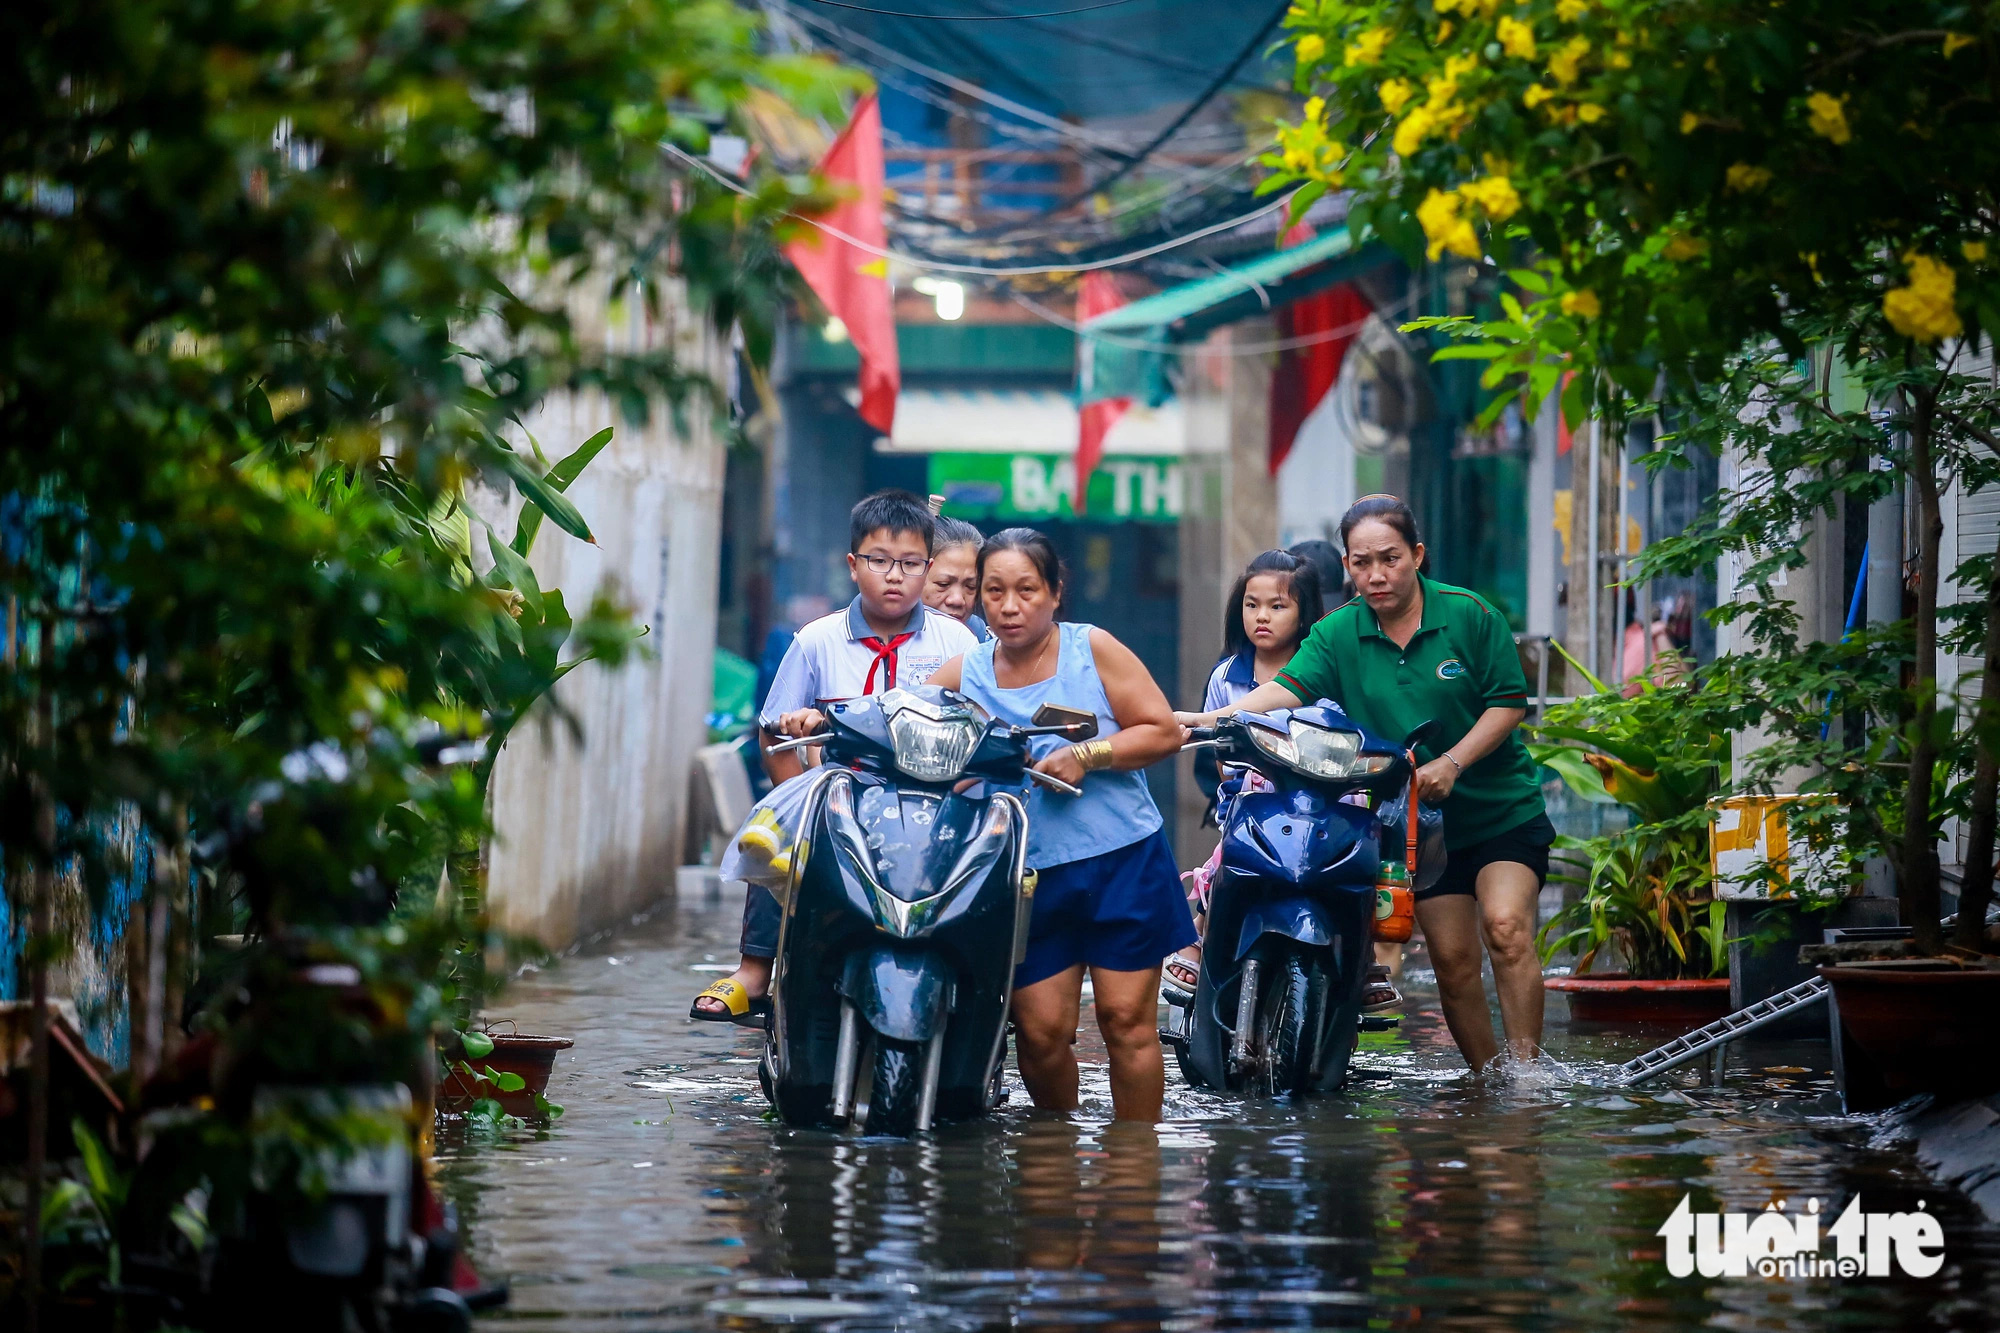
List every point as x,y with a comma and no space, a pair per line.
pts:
1525,844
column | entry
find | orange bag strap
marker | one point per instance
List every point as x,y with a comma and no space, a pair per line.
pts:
1410,850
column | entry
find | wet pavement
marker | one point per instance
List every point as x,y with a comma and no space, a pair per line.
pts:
664,1199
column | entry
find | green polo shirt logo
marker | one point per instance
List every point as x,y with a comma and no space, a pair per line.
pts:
1460,662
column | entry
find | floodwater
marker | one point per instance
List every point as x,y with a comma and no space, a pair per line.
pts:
664,1199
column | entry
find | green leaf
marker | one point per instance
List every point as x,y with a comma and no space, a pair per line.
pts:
477,1044
1469,352
64,1197
560,476
1595,683
505,1079
538,492
191,1224
1529,281
514,571
107,1186
1309,194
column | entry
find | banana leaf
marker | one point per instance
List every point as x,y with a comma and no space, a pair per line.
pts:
1633,753
1568,764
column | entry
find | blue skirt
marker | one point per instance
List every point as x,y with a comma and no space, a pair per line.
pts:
1122,910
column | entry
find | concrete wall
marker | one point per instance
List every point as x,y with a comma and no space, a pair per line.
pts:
590,827
1230,514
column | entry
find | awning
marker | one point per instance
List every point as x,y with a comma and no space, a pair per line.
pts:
1129,346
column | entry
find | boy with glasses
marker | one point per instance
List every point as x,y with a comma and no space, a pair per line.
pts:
885,638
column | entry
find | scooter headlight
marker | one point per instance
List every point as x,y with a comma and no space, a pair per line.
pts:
1320,753
931,744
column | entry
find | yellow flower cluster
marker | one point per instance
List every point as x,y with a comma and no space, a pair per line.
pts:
1311,49
1569,11
1469,8
1495,196
1517,39
1742,178
1446,224
1438,111
1827,115
1563,63
1367,48
1442,218
1974,251
1589,112
1537,94
1954,42
1305,149
1396,94
1924,310
1582,303
1690,122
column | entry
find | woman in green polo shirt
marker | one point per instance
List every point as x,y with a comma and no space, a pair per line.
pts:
1407,651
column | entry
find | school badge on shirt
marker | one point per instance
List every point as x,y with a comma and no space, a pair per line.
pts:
1450,669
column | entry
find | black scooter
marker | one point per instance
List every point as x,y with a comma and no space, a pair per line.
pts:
905,912
1292,910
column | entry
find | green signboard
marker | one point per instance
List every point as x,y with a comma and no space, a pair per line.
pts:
1043,486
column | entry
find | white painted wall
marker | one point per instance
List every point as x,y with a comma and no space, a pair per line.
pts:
590,827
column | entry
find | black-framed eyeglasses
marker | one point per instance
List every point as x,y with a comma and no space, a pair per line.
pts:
882,564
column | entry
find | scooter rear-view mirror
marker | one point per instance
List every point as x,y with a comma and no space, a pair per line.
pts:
1058,720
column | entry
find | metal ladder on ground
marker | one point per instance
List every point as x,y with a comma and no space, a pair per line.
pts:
1717,1035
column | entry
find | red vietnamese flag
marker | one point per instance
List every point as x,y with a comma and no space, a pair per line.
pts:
1306,374
1098,294
851,281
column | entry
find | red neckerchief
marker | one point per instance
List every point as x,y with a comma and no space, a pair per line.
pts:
884,652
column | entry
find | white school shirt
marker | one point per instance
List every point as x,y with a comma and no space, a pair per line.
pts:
828,659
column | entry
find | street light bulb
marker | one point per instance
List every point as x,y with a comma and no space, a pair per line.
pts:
950,299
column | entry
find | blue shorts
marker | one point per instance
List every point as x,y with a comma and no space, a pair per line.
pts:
1121,910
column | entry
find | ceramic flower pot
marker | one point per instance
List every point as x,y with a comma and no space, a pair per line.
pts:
1921,1025
1613,997
531,1057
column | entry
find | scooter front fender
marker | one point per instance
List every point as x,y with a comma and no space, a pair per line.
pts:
900,994
1300,919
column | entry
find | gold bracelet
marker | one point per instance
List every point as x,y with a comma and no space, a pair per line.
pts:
1092,755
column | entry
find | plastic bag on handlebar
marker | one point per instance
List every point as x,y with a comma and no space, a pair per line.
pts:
761,852
1394,818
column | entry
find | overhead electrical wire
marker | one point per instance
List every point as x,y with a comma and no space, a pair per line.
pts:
1042,312
1207,95
1030,114
970,18
984,270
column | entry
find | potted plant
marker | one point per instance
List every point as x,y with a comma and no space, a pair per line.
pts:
1647,890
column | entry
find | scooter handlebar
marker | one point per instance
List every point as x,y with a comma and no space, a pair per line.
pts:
1056,783
799,742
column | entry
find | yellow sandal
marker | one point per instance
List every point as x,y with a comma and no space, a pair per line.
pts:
739,1005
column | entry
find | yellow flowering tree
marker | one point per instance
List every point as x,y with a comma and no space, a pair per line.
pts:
1684,184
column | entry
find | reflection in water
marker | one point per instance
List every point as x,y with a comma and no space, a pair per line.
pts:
664,1199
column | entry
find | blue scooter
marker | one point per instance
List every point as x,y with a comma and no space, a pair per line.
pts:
1292,910
906,911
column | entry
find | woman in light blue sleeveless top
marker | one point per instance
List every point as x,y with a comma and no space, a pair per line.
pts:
1109,897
